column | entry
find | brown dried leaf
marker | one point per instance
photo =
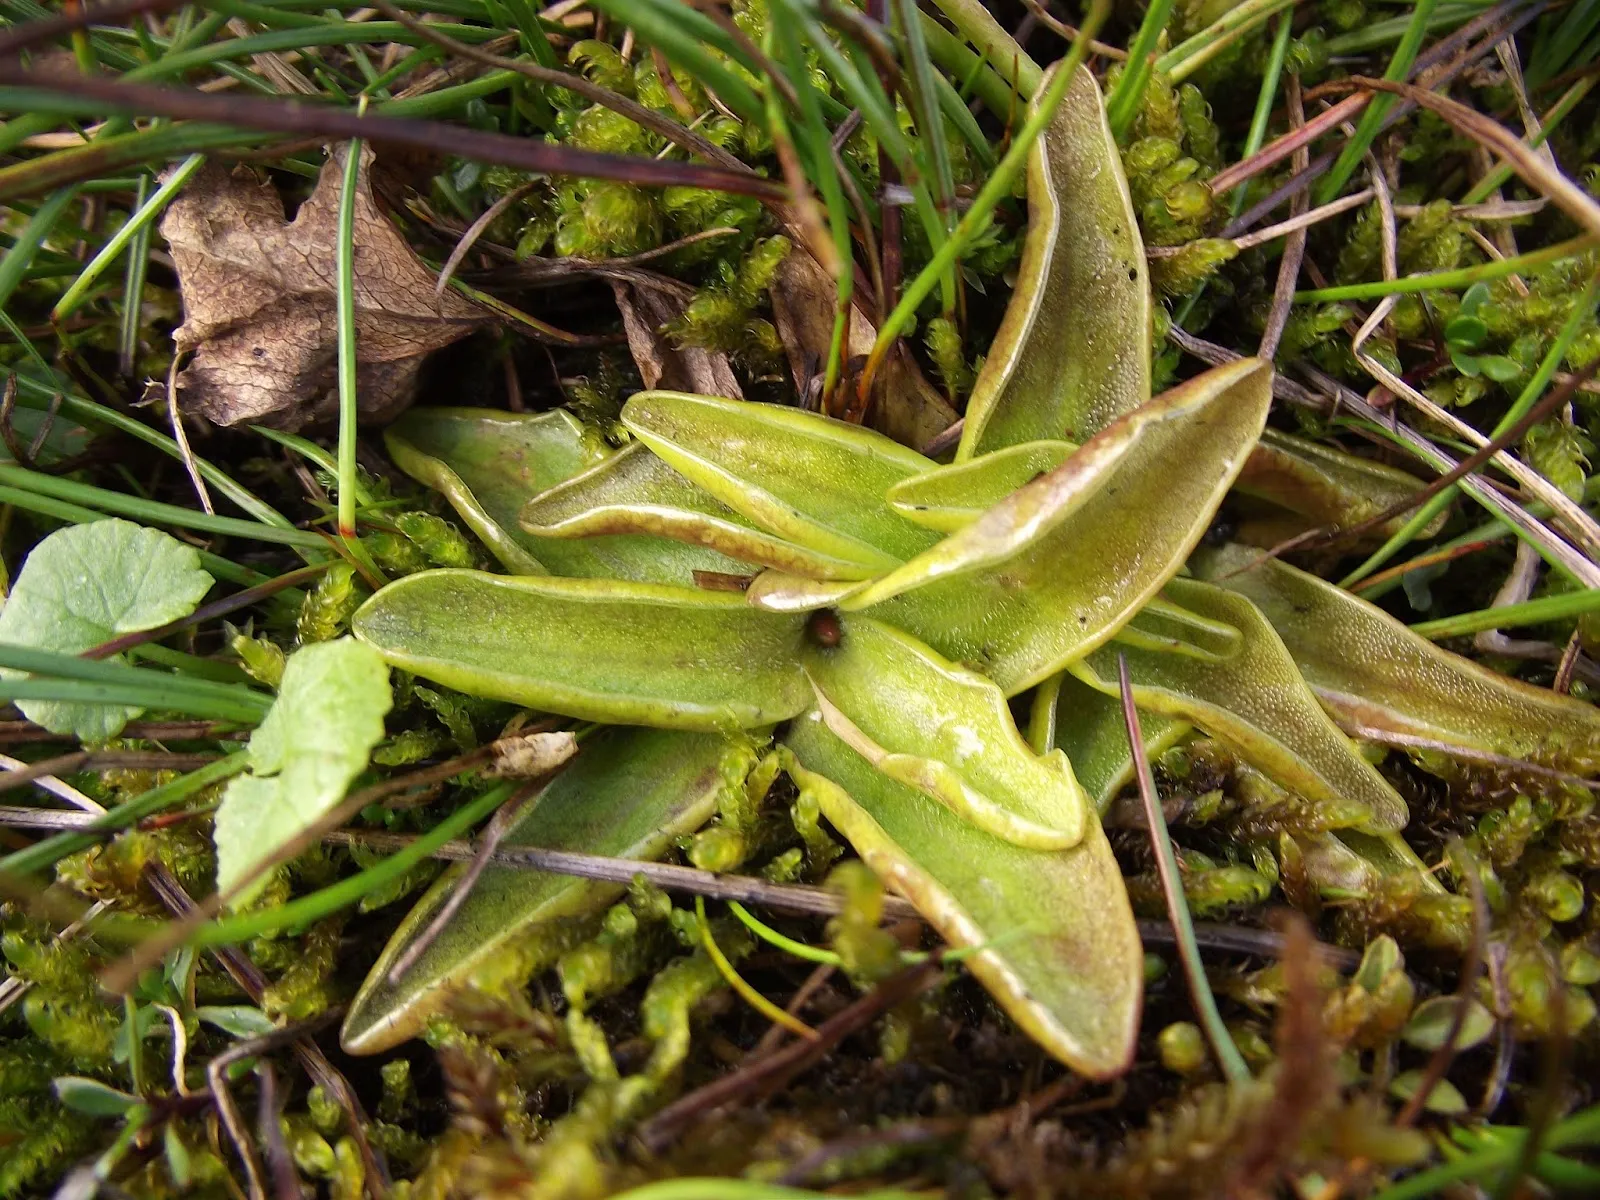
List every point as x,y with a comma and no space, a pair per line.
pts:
258,298
908,408
645,310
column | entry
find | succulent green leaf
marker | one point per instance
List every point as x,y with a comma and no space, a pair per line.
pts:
1377,677
1088,727
604,650
946,731
1255,701
779,591
804,477
92,1098
1431,1021
953,497
1073,351
488,464
634,492
86,584
315,740
1057,945
628,794
1312,484
1060,564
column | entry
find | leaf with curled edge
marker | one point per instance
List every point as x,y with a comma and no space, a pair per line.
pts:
489,464
807,478
1056,944
1089,728
1253,700
1072,353
953,497
1307,484
629,794
600,649
1062,563
634,492
1377,677
946,731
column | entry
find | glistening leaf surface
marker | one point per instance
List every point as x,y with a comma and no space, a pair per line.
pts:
804,477
1375,675
86,584
1059,565
1255,701
628,794
946,731
1060,950
603,650
489,464
634,492
953,497
1073,351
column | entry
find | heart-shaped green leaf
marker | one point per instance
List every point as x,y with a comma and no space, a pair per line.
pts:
953,497
1060,564
946,731
634,492
1376,676
1256,702
1057,945
804,477
604,650
628,795
489,464
1073,351
1321,486
1088,727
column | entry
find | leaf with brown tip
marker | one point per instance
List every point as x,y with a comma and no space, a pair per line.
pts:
1058,948
1073,351
1375,676
1309,485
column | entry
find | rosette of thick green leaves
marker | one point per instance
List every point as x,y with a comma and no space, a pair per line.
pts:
1376,677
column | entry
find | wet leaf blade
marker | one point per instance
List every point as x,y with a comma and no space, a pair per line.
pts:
634,492
603,650
946,731
1372,673
1060,951
1255,701
489,464
1082,273
1057,567
628,794
952,497
804,477
1087,727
